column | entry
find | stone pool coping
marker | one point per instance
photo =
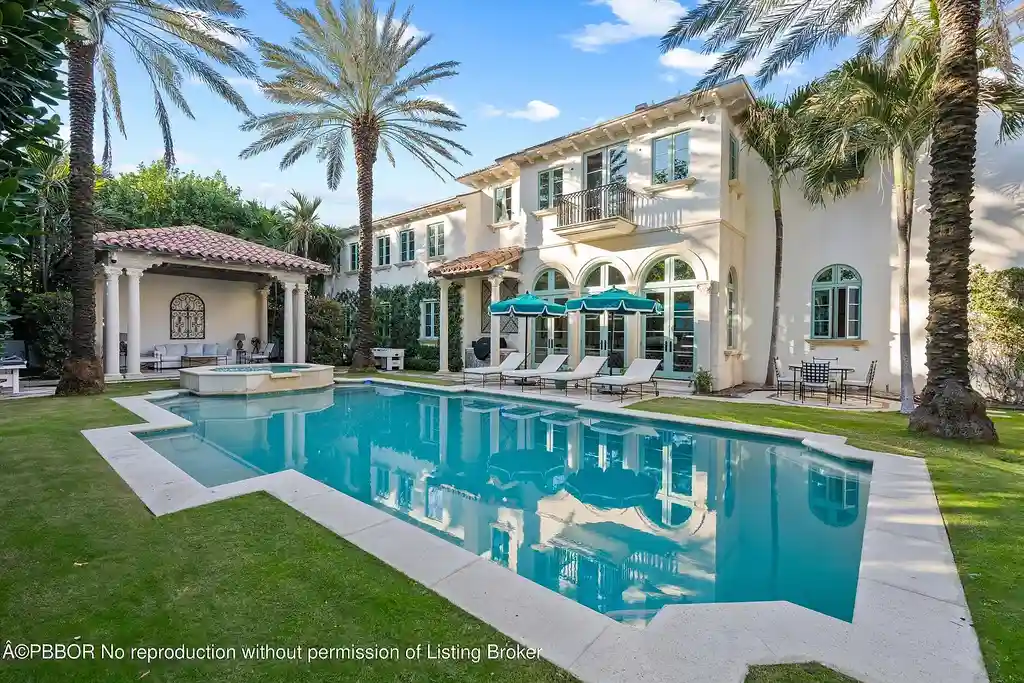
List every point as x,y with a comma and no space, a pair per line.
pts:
910,623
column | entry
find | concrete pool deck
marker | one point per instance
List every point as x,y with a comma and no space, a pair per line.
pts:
911,621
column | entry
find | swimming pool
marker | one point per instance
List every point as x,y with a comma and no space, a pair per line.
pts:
620,515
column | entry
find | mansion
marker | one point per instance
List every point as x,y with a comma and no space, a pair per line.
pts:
666,202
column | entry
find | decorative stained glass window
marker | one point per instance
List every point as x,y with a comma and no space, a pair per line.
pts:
188,317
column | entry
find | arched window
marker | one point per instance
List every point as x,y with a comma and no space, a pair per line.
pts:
603,277
731,311
188,317
835,303
550,280
671,269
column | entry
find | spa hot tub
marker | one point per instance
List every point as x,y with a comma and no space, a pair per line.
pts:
263,378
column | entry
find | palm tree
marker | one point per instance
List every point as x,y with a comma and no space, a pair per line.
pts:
51,204
346,79
795,29
885,109
303,221
167,38
771,130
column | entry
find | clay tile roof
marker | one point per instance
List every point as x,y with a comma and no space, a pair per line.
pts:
192,241
479,262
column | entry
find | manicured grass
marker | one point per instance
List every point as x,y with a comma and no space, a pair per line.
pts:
81,560
795,673
980,491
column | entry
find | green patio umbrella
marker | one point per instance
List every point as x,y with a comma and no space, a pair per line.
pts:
615,487
537,465
527,306
614,301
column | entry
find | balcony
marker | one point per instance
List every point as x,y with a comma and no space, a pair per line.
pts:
605,211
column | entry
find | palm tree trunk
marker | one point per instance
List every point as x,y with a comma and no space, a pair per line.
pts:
949,407
769,379
83,371
365,142
903,189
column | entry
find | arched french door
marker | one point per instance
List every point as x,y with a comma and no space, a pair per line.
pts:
671,335
602,334
550,335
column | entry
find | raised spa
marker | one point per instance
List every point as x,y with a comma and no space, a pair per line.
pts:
266,378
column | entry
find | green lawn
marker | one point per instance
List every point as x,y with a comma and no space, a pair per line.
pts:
981,495
80,557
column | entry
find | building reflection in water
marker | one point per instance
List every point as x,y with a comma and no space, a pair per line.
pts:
624,518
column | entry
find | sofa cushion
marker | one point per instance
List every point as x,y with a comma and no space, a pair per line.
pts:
160,350
211,349
176,350
193,349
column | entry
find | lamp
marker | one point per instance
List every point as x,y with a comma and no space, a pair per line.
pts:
239,341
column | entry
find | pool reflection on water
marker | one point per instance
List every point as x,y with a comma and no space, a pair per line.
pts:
620,515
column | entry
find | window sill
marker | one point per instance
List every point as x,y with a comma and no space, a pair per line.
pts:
733,352
436,259
540,213
851,343
404,264
377,269
501,225
737,187
685,183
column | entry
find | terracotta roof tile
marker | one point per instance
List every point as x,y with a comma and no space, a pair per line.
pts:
479,262
192,241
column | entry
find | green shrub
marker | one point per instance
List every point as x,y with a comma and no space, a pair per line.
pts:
996,319
48,318
703,381
324,329
422,364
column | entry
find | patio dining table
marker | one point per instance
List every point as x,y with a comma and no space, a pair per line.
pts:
842,370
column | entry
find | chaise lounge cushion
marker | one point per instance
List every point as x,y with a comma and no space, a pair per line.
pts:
193,350
211,349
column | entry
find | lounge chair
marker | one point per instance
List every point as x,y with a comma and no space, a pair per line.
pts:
511,362
264,355
547,366
589,368
640,372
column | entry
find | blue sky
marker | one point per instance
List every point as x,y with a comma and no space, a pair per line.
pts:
530,70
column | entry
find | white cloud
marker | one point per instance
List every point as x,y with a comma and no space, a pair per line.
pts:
636,19
687,61
535,110
198,24
240,82
411,31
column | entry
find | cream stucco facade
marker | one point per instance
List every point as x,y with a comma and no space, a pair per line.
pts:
616,223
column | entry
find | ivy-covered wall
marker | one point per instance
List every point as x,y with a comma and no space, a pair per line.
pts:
396,317
996,317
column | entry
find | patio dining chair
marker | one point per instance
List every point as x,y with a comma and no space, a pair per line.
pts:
824,360
864,385
263,356
782,382
815,377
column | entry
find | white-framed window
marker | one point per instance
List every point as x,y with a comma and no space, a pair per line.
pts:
670,158
353,256
503,204
835,303
384,250
549,188
430,319
435,240
407,245
734,157
732,320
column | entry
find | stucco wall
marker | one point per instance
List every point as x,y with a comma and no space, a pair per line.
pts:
230,309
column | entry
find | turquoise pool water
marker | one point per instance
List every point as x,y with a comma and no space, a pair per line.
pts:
620,515
273,367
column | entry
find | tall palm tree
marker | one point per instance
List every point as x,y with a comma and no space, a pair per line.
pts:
885,109
790,30
167,38
303,222
347,80
771,129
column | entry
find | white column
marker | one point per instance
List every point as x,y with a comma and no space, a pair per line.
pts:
134,320
300,322
112,321
702,309
495,281
262,325
289,322
442,334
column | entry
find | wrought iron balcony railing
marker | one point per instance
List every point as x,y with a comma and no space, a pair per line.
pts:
607,201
